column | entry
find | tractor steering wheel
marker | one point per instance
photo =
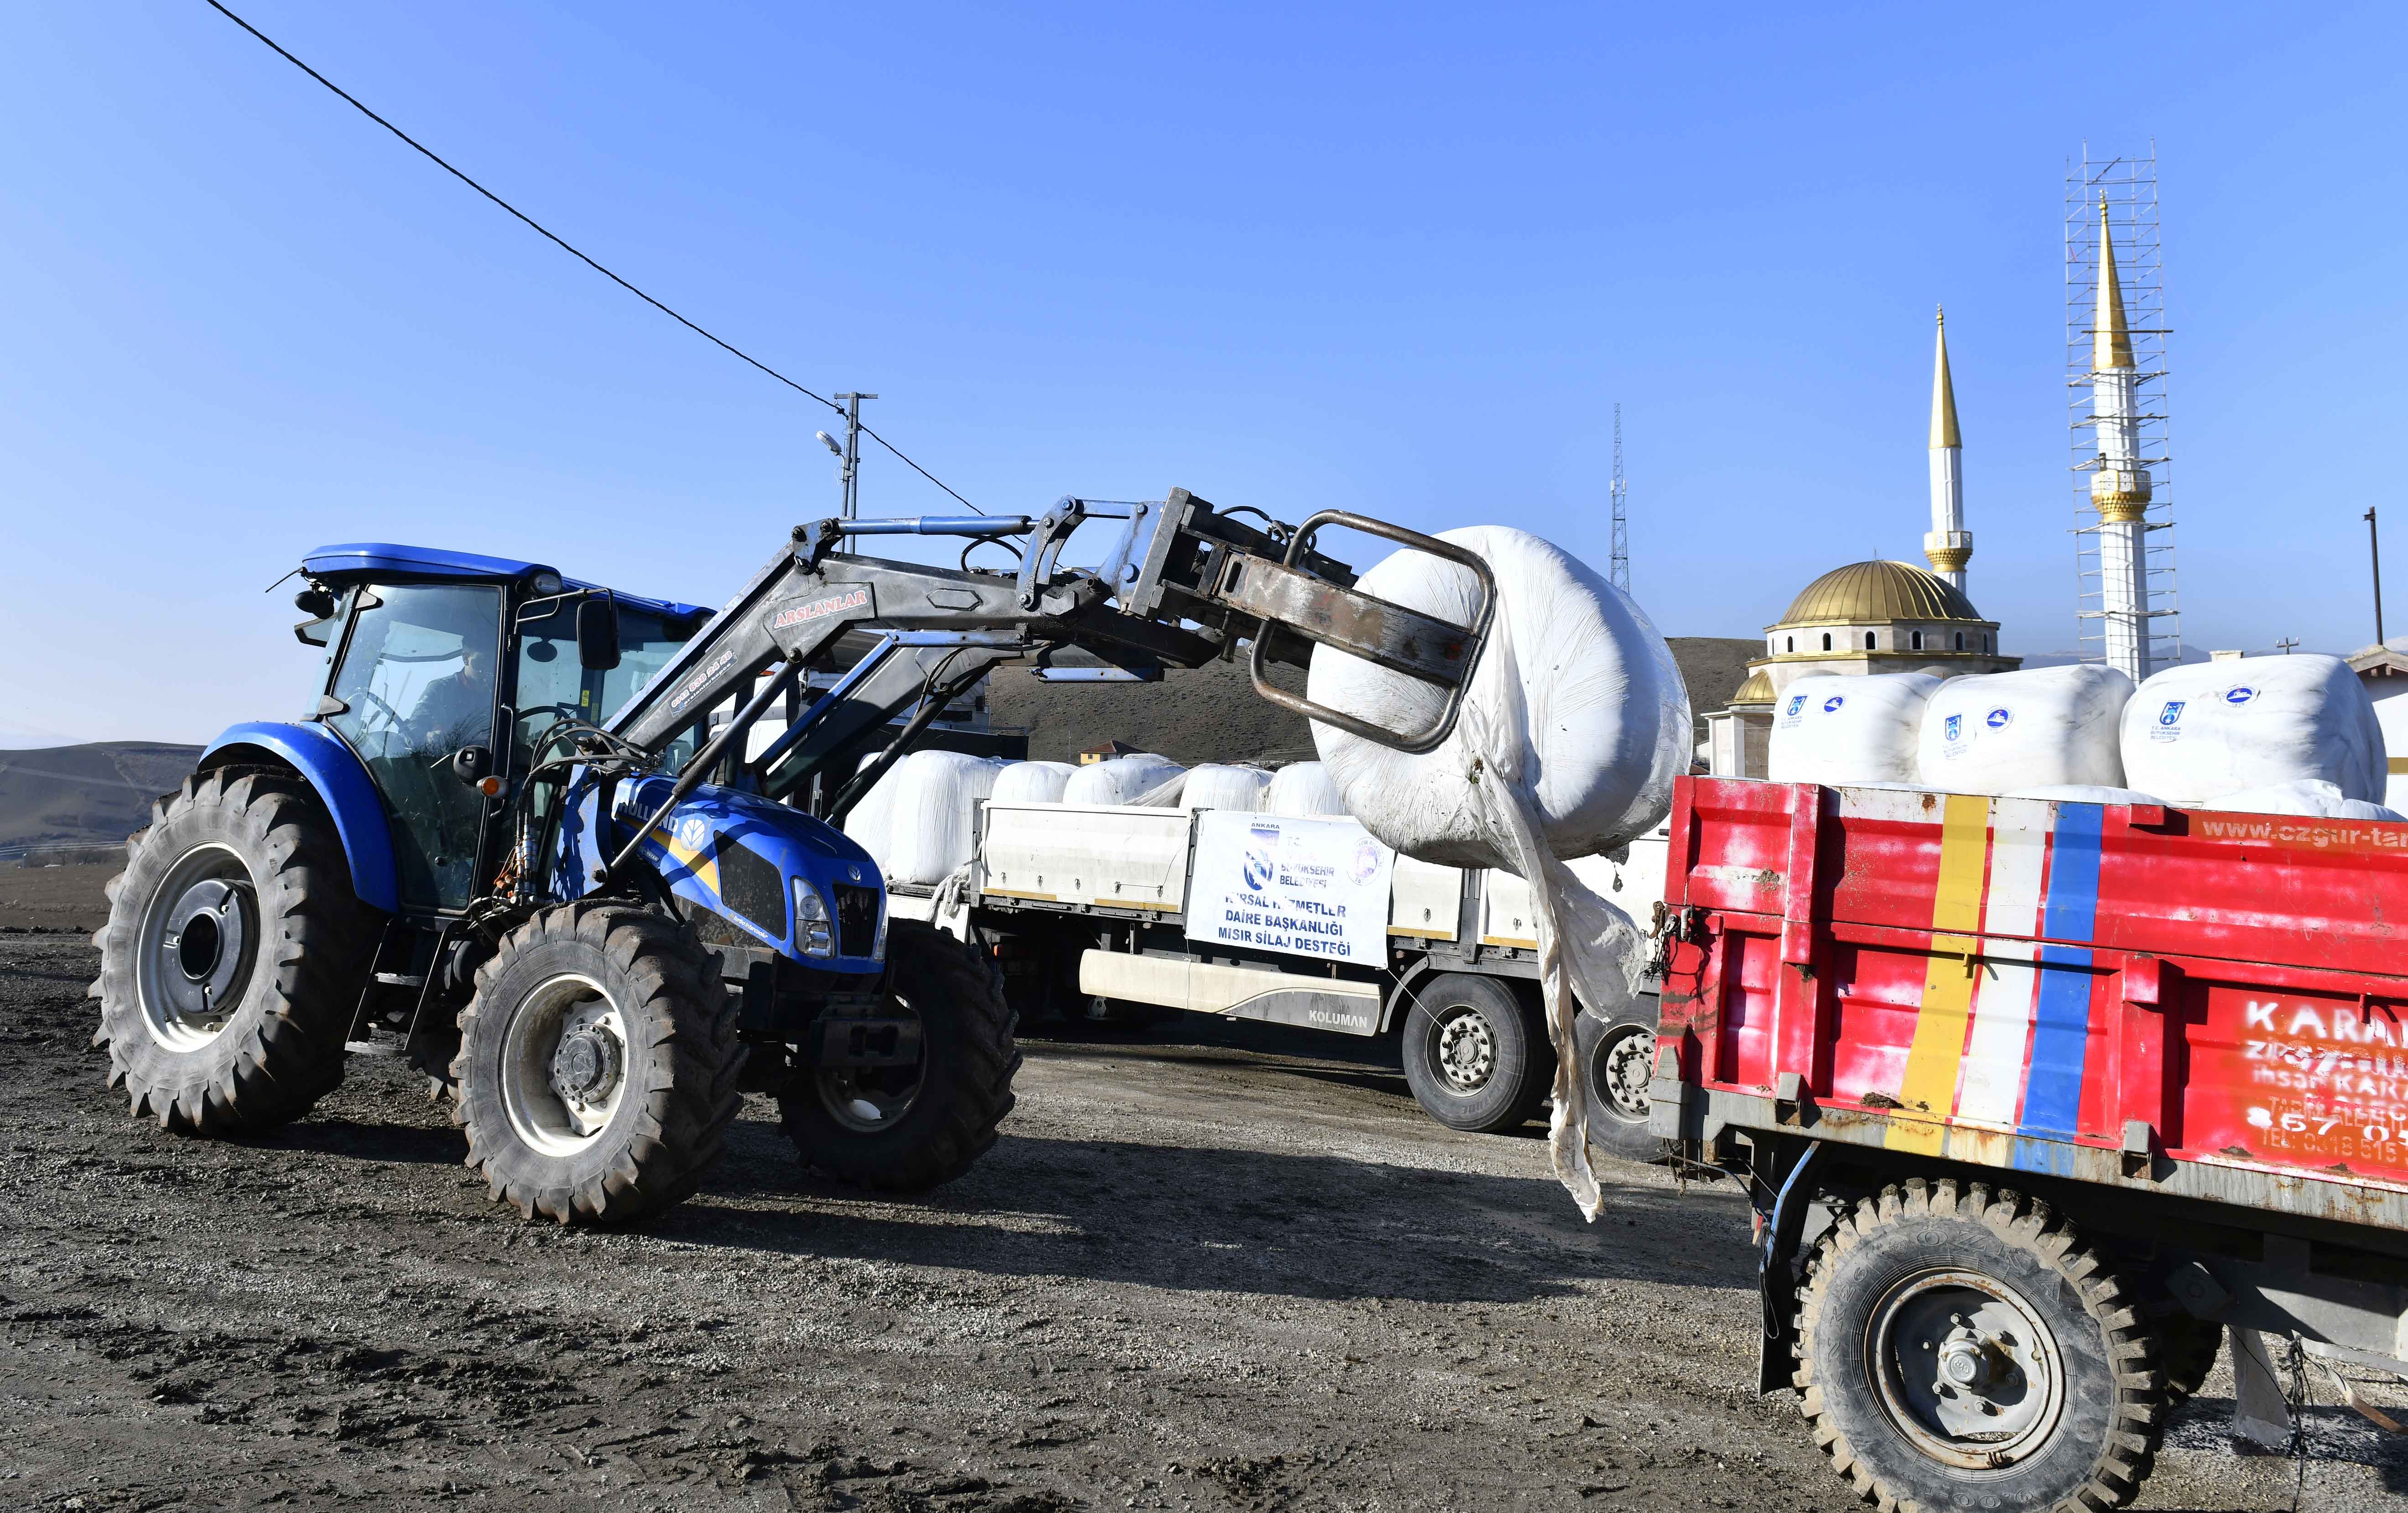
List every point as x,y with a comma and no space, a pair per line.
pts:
393,719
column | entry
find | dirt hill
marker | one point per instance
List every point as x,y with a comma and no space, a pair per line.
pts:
85,795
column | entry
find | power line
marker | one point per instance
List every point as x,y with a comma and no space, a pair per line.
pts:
552,238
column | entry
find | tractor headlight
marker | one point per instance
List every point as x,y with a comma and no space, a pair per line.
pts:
815,930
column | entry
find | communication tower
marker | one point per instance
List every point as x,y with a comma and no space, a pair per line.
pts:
1620,490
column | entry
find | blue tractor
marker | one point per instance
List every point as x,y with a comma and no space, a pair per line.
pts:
536,836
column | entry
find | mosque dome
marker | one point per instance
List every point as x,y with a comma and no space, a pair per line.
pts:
1756,689
1878,590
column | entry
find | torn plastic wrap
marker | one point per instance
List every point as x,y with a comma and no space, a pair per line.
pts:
1572,728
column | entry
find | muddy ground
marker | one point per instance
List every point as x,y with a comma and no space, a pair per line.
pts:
1223,1267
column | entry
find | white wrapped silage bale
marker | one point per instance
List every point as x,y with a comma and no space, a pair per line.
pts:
1032,782
2196,732
1590,686
1302,790
1120,780
2312,797
1834,728
921,819
2392,714
1214,785
2084,793
1572,727
2049,726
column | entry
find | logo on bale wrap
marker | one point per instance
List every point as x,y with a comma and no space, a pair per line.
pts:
1831,704
2239,694
1950,726
1998,719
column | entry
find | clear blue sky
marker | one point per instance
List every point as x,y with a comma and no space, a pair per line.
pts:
1392,258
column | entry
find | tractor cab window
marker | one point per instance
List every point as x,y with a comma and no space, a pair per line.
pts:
553,686
416,683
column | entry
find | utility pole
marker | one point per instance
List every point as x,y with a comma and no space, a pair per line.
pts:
2375,555
852,474
1619,571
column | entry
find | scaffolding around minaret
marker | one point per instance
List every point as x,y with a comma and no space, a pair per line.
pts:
1947,546
2115,376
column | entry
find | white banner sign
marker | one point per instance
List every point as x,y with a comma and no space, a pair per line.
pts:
1307,887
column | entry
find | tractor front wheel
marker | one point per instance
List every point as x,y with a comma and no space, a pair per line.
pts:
234,956
597,1064
912,1127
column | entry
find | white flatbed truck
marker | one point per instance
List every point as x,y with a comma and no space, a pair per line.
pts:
1091,908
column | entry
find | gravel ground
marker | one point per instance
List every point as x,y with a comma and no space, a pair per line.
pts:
1217,1268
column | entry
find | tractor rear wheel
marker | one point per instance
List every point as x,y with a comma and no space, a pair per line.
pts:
597,1064
907,1128
233,957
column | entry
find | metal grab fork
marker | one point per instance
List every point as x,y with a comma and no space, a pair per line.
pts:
1386,634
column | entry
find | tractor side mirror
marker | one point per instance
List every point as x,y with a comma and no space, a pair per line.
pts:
474,765
597,634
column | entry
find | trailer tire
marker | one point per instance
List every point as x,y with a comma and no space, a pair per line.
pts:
597,1064
2187,1350
2053,1398
872,1133
236,893
1617,1059
1476,1054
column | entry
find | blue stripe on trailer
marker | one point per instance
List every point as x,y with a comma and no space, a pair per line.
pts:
2061,1016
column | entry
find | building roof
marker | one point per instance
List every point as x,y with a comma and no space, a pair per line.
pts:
1756,689
1877,592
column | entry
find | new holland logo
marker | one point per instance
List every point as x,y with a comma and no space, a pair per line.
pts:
1950,726
693,831
1998,719
811,609
2171,713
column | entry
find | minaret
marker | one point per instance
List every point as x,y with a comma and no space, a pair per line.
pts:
1948,546
2119,482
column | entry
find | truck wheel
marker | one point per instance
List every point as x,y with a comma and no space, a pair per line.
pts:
1475,1053
902,1129
1965,1351
234,956
2187,1350
597,1064
1617,1058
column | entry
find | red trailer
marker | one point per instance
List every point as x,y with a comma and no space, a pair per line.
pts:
2038,1098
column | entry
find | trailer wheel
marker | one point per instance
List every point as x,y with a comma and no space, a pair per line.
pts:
1617,1059
234,956
1476,1054
1965,1350
597,1064
908,1128
2186,1349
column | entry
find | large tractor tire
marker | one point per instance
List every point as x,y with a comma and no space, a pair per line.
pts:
597,1064
905,1129
1617,1059
1961,1349
1476,1054
233,957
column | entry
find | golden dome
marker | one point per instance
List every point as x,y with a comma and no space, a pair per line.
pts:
1870,592
1756,689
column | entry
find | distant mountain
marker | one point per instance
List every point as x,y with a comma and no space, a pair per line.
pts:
2066,659
23,739
93,795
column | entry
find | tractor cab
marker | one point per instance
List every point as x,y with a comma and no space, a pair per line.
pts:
450,675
